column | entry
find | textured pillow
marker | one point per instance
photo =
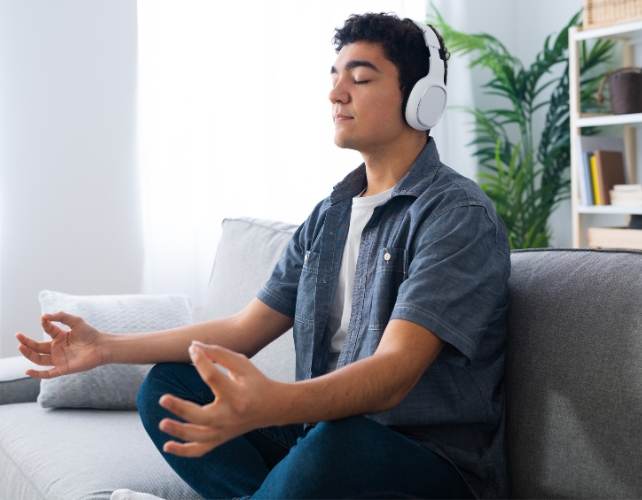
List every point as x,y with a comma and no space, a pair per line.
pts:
110,386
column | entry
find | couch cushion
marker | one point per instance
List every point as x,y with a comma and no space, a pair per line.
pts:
15,386
62,454
574,374
247,253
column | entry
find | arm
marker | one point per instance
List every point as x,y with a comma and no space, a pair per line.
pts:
246,332
370,385
84,347
246,399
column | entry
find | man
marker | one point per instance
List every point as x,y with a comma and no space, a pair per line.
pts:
396,286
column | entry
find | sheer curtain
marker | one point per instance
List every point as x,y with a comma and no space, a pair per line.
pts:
454,130
234,120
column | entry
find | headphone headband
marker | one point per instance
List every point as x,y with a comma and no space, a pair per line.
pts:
430,37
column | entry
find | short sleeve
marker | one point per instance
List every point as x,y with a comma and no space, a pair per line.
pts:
457,278
280,291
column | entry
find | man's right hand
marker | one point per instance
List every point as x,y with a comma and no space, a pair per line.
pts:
68,351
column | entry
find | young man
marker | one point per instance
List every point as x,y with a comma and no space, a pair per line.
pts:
396,286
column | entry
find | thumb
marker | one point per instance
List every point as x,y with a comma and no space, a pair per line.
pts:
235,363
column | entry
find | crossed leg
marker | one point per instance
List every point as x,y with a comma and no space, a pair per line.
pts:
354,457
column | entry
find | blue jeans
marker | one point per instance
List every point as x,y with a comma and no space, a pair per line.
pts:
349,458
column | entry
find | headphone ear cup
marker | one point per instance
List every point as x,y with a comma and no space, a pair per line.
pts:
426,104
431,106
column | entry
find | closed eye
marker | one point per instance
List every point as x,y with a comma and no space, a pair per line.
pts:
360,82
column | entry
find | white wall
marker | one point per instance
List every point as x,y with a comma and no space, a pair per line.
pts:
69,197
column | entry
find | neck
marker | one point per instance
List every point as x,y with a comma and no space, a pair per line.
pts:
386,166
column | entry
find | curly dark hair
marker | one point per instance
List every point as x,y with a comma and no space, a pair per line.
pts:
402,42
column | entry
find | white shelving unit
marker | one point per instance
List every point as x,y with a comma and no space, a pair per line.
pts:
630,34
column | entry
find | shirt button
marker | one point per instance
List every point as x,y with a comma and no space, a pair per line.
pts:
387,257
306,257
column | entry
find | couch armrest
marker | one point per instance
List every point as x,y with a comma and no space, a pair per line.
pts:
15,386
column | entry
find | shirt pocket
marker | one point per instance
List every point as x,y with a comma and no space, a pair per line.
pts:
304,312
391,270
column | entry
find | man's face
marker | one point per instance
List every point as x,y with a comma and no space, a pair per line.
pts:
366,99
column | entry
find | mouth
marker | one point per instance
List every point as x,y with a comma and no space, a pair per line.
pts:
341,118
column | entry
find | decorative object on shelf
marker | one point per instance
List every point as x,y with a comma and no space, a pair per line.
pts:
525,180
599,13
625,86
635,222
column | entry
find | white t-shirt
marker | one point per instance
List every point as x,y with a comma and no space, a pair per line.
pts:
340,312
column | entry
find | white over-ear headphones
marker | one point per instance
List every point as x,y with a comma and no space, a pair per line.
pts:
427,98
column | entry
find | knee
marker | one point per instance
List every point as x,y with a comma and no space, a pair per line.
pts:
337,431
153,387
328,441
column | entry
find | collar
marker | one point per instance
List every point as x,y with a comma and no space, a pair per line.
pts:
415,182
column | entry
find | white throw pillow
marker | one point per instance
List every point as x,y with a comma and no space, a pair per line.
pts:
110,386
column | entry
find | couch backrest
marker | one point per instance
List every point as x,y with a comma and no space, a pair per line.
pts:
574,364
247,252
574,374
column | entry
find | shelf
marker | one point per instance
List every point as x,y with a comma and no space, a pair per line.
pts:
632,31
609,209
603,120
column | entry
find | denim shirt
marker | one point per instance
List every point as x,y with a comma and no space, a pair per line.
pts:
435,253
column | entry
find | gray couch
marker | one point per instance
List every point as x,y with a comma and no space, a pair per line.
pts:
573,384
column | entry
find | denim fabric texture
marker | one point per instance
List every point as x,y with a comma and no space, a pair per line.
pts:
435,253
348,458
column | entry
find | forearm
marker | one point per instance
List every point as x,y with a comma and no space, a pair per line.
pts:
171,345
246,332
371,385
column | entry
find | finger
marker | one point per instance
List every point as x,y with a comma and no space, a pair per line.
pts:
218,381
39,347
189,432
34,357
64,318
188,411
189,449
50,329
237,364
46,374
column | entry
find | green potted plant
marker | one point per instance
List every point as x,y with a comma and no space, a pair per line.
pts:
526,177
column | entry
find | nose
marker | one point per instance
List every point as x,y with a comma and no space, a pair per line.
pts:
339,94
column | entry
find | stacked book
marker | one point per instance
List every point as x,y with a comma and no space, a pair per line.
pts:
626,195
601,169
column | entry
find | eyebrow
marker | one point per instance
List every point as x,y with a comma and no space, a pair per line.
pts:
356,63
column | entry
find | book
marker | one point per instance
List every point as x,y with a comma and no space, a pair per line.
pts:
627,188
626,203
588,144
596,189
585,179
626,195
609,168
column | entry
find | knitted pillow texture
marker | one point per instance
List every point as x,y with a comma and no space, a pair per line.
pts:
111,386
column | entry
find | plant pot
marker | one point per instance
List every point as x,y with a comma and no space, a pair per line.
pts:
625,85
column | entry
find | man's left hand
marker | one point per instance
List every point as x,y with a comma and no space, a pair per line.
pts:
245,399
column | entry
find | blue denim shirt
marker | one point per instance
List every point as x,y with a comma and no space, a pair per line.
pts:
435,253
